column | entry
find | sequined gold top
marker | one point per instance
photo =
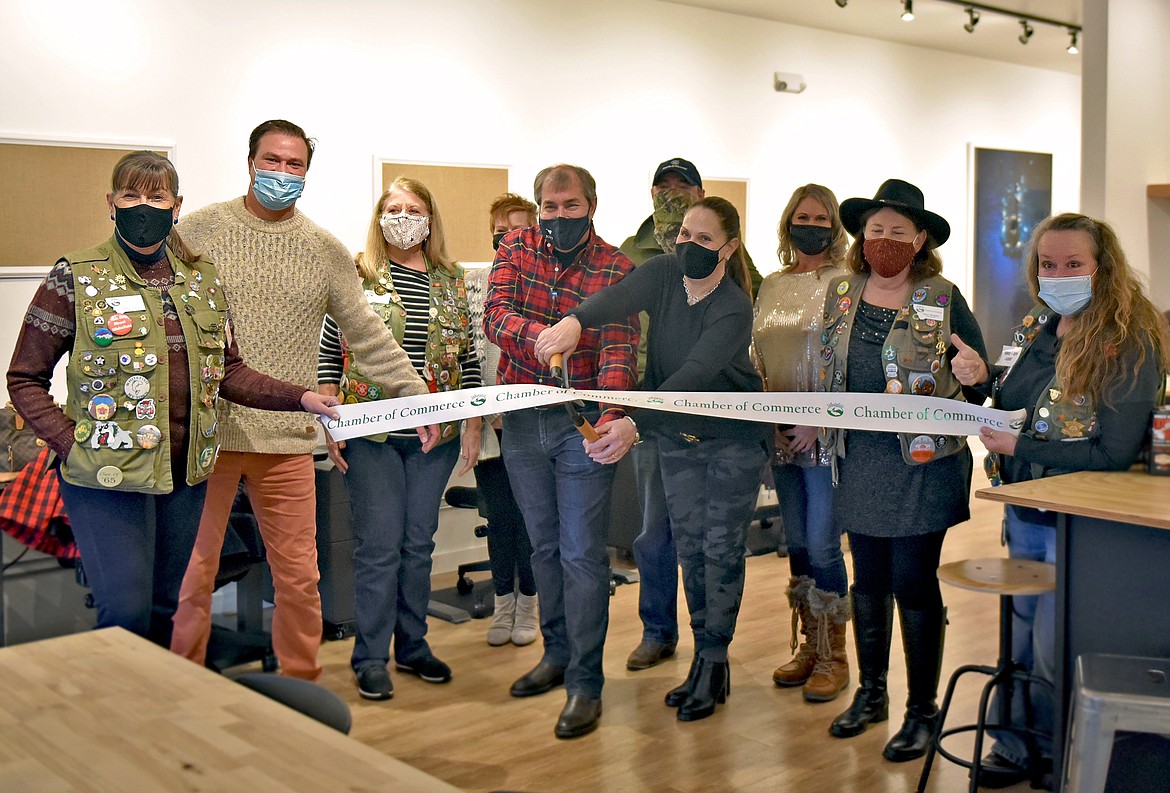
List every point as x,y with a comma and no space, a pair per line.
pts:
786,332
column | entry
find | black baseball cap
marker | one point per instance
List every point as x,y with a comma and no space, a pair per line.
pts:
684,168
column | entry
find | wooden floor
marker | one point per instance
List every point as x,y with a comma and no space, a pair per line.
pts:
472,734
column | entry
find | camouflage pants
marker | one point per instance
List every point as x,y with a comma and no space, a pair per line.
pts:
711,490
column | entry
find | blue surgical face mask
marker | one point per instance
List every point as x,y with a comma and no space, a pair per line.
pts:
276,190
1067,296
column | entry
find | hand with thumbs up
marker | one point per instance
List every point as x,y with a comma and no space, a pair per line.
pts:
969,368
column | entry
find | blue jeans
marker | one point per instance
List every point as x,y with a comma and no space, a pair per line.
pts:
565,498
1033,639
394,495
654,551
814,544
135,548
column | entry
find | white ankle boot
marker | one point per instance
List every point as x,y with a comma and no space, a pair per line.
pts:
500,631
527,626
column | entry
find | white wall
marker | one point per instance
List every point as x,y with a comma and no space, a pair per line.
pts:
614,85
1126,107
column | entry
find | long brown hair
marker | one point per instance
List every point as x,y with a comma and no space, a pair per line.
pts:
786,251
1116,327
729,222
926,262
147,171
377,250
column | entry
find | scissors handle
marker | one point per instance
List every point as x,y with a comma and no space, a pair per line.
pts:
556,363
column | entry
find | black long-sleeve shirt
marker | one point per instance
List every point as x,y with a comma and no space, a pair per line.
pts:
703,347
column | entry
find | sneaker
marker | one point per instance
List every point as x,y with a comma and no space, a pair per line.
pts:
373,682
428,667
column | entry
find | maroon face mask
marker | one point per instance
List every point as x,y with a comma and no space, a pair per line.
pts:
888,257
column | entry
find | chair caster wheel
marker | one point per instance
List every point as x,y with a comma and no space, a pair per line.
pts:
612,587
268,664
88,600
480,610
464,585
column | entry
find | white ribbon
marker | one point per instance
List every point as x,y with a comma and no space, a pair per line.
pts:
855,411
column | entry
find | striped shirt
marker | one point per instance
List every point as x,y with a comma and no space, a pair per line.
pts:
414,290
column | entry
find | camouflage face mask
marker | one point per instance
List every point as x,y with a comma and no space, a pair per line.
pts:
669,208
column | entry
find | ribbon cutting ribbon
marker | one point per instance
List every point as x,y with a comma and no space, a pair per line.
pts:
854,411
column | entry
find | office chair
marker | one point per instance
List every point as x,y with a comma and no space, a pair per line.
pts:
241,562
468,498
302,696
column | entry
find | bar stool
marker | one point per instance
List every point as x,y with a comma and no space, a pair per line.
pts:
1006,578
1113,692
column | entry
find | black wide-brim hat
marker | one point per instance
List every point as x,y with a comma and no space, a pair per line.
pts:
902,197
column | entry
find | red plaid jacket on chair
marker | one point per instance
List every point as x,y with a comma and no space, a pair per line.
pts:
32,512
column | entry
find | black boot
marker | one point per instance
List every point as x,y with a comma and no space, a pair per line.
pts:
678,695
873,626
711,686
922,637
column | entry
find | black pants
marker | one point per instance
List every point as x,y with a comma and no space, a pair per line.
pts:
509,549
905,567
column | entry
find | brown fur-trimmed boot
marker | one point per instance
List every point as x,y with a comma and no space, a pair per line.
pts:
830,675
798,670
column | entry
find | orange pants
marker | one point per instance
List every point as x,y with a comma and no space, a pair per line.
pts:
282,490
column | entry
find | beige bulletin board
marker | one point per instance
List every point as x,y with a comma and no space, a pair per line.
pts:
463,194
53,199
735,191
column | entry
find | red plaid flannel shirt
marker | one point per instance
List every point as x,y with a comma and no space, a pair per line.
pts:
528,291
31,509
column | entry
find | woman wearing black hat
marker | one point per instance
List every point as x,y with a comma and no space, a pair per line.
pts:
888,325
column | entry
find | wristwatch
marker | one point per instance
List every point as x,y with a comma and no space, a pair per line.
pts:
637,435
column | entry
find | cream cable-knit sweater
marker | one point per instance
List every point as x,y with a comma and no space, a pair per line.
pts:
281,279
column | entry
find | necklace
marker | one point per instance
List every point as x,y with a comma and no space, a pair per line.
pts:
692,298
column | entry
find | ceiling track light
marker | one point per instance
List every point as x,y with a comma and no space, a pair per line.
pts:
907,10
974,8
1027,31
841,3
972,20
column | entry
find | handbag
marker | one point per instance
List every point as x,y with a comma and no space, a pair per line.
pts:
18,443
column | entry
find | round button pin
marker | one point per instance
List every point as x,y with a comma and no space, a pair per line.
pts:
103,337
148,436
109,476
137,387
120,324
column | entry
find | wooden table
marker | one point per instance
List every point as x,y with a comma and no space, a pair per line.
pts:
1112,567
108,711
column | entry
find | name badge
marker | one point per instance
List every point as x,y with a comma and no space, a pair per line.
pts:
1009,356
373,298
928,312
124,304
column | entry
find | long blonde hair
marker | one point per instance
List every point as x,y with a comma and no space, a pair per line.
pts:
840,241
377,251
1119,322
147,171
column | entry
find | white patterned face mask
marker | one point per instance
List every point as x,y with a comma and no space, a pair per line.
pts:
404,231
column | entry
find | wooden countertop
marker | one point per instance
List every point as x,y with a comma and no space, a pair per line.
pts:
1124,496
107,710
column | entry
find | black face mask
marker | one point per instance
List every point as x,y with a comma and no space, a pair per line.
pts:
697,262
497,239
143,226
810,240
565,233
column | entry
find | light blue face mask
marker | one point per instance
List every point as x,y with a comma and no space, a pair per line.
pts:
276,190
1067,296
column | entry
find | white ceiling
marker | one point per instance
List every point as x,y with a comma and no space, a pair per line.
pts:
936,25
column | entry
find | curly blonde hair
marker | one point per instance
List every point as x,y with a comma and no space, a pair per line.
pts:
1119,324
